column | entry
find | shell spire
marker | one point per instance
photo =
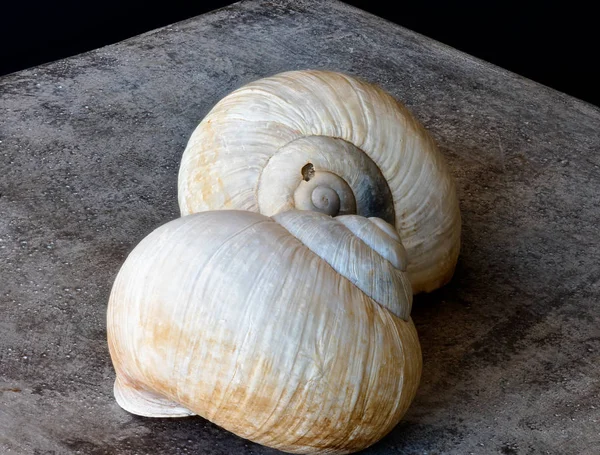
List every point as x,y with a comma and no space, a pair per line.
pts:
358,249
251,150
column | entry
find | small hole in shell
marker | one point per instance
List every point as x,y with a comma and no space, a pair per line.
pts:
308,172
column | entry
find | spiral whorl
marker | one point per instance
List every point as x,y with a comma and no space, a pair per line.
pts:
249,152
358,249
324,192
324,199
379,236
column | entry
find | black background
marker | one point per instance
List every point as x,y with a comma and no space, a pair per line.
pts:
554,44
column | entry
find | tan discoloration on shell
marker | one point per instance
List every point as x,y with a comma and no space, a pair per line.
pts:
289,354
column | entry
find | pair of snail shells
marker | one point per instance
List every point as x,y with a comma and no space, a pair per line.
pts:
278,307
292,331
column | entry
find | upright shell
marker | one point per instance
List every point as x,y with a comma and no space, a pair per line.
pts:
291,331
325,141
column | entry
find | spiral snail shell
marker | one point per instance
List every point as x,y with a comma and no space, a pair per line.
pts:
292,331
324,141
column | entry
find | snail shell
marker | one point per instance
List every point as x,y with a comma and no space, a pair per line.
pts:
291,331
324,141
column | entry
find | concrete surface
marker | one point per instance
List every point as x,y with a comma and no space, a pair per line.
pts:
89,155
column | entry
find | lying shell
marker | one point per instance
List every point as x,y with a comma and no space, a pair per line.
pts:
291,331
324,141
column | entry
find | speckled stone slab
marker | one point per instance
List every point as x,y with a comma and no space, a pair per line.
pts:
89,153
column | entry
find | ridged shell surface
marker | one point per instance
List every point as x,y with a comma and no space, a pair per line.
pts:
249,150
228,315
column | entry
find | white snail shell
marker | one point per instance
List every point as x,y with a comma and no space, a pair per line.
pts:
328,142
292,331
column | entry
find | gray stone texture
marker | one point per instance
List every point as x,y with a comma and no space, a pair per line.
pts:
89,154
